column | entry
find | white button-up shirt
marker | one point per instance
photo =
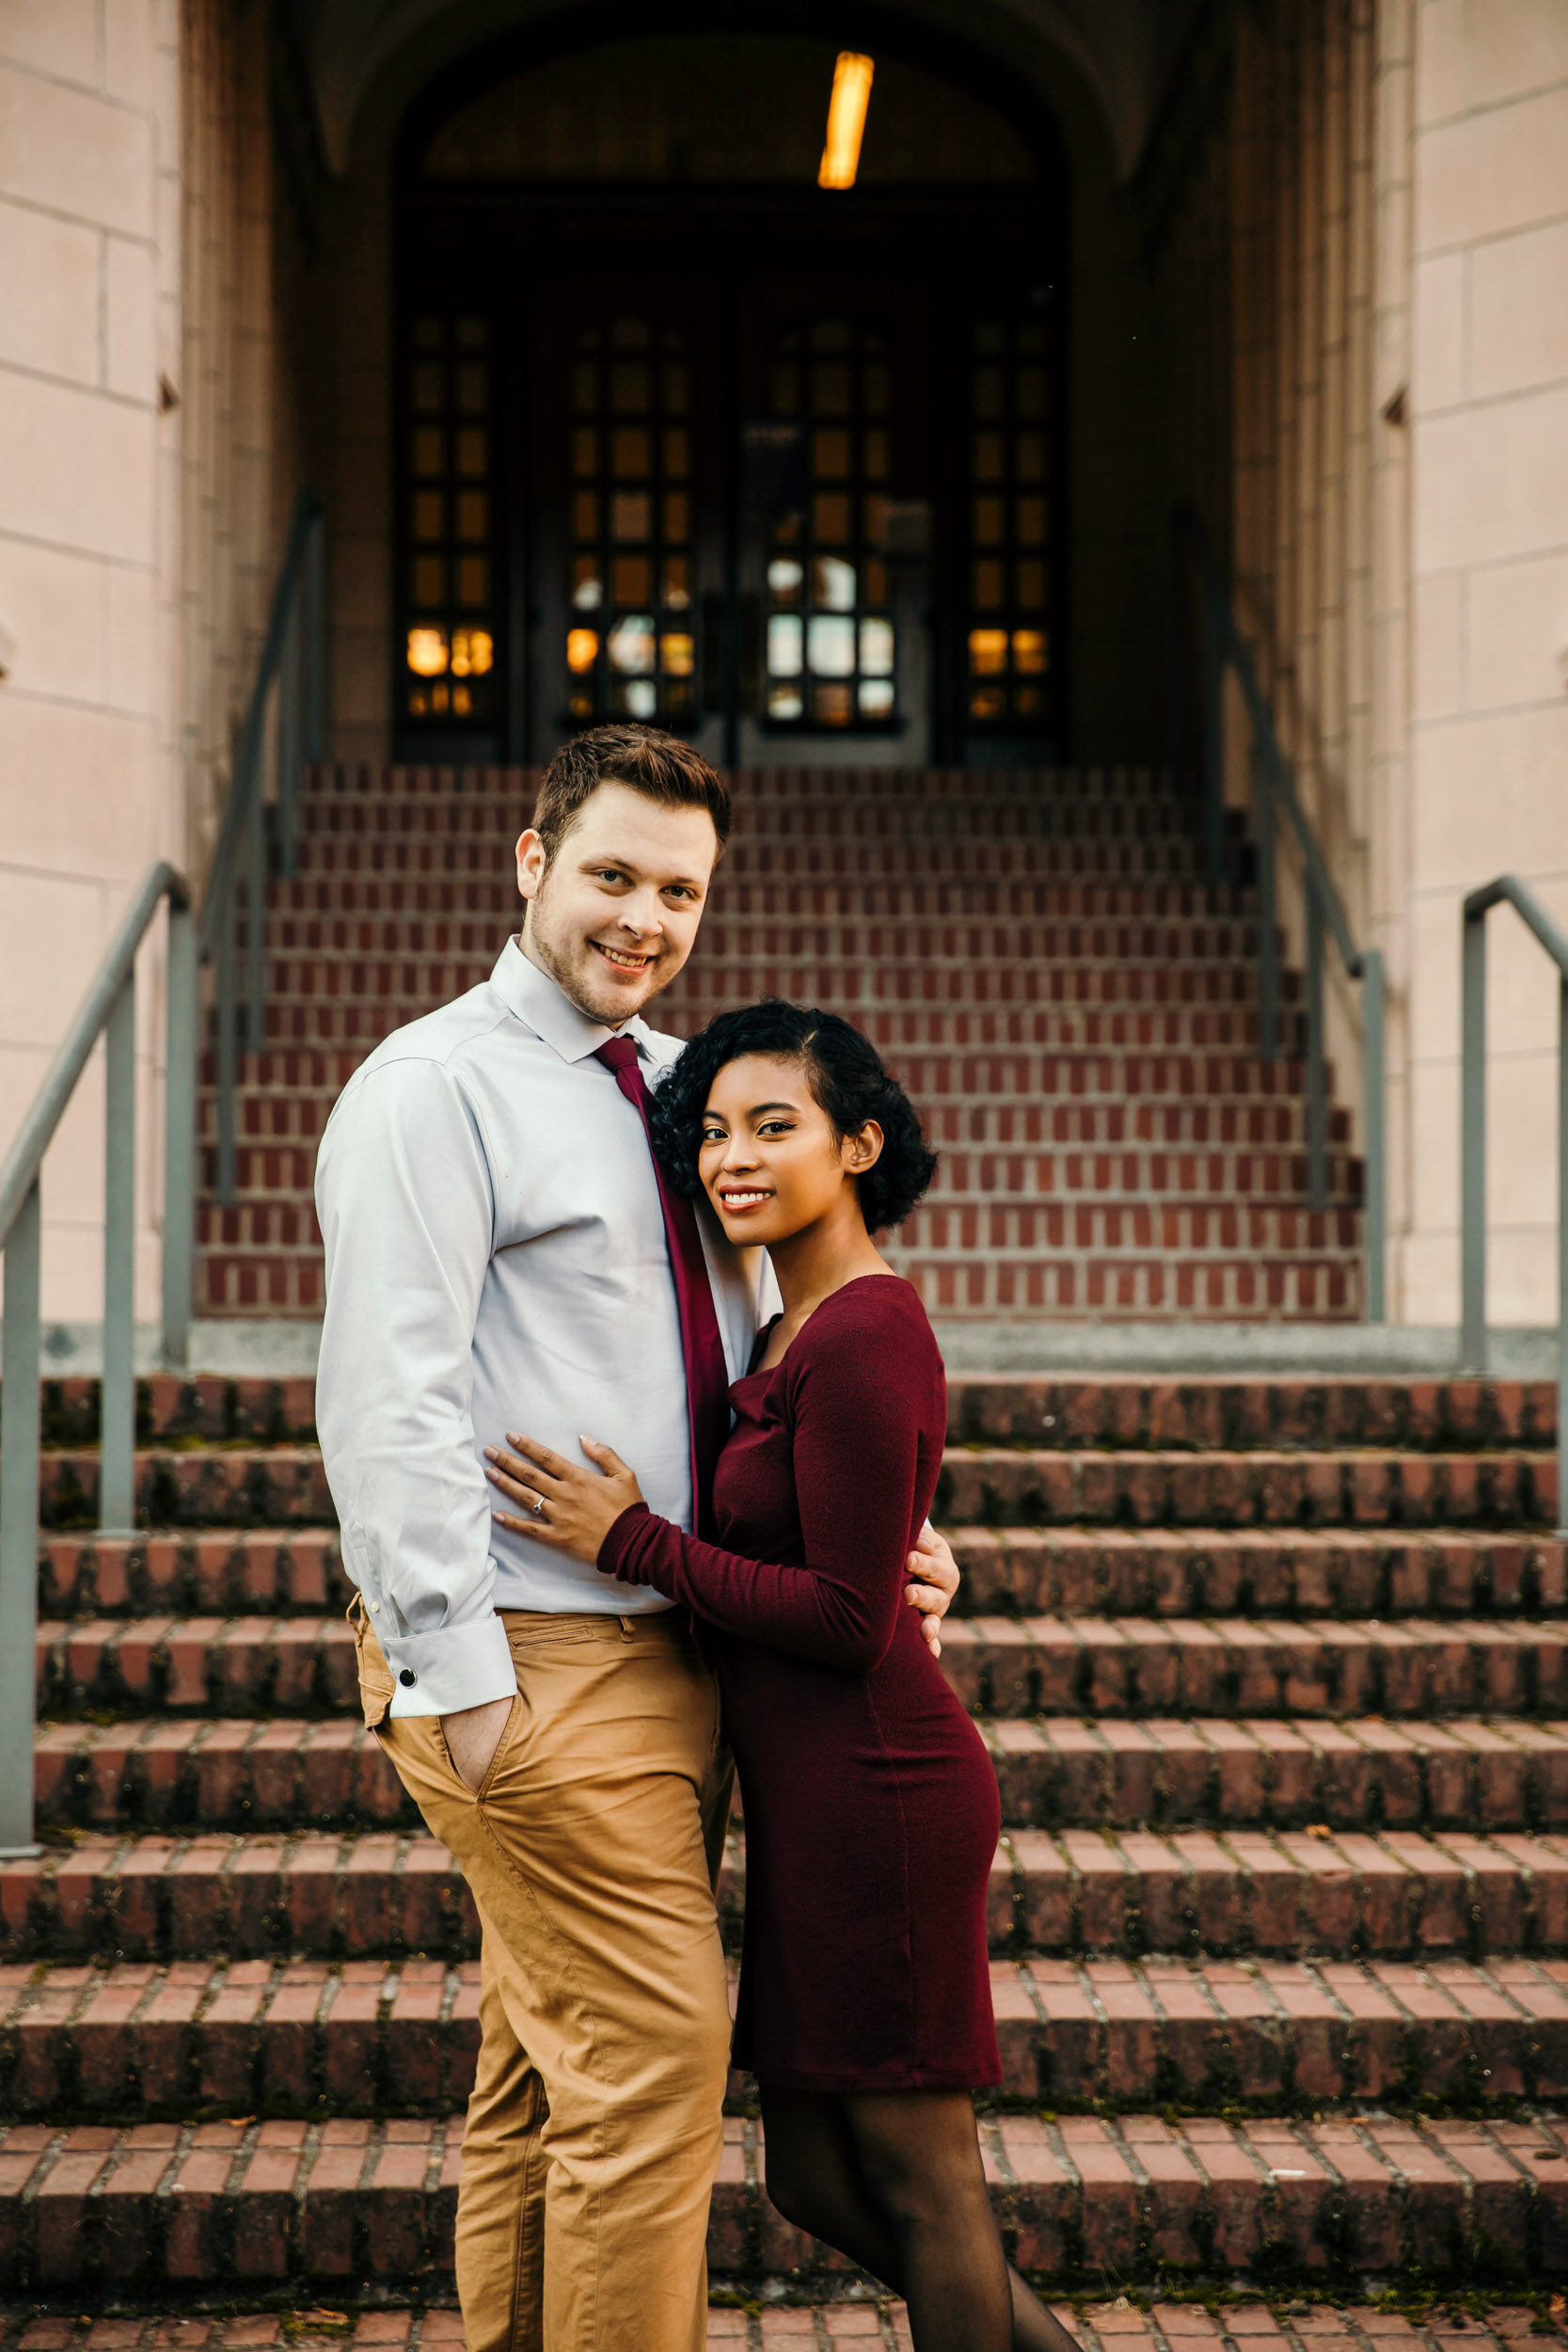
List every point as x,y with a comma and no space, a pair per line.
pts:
496,1260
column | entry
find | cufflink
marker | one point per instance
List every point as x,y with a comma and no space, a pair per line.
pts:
408,1677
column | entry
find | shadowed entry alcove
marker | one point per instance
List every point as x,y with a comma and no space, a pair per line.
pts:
683,437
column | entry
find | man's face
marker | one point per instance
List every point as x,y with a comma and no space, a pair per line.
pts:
613,916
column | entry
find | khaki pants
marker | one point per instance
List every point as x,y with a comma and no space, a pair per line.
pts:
594,2128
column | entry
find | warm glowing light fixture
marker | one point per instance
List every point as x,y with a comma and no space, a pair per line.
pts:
841,156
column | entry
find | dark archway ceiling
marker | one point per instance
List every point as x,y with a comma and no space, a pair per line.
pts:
352,45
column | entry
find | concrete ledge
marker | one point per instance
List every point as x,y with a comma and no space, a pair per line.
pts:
1034,1346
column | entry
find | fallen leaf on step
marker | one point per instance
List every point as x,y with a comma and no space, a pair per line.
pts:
1318,1829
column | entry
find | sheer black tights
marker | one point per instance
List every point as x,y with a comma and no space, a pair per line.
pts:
894,2179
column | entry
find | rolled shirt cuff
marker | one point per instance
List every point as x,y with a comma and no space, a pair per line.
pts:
442,1673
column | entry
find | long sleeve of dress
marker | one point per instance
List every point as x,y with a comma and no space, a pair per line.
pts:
854,1394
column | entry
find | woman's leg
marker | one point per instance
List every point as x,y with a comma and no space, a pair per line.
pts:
815,2178
919,2154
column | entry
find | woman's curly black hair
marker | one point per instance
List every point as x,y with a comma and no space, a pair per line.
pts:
846,1078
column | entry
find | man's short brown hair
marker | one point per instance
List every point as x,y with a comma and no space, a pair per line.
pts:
660,766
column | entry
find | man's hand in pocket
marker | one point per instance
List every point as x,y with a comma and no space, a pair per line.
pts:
473,1736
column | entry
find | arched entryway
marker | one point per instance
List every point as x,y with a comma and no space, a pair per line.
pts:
681,437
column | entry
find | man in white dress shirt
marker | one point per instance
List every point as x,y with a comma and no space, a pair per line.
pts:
497,1257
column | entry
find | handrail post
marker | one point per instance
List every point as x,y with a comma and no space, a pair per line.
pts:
1268,918
116,1424
1472,1149
180,1139
227,1015
19,1526
1374,1207
1317,1074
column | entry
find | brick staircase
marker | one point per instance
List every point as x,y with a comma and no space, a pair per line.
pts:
1074,1012
1275,1679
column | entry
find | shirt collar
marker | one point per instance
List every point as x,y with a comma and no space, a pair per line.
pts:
542,1007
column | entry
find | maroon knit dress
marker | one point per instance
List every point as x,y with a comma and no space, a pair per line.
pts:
872,1812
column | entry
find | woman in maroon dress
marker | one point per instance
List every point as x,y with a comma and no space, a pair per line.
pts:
871,1805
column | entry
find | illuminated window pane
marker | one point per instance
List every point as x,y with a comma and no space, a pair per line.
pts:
988,651
677,515
427,652
472,652
631,580
430,450
585,514
987,590
582,650
585,451
829,454
784,702
631,515
638,697
874,580
473,580
473,387
989,459
830,515
986,522
677,453
1031,586
875,696
1029,522
679,655
873,454
1028,701
587,587
430,514
677,587
629,452
832,706
987,702
1028,650
473,514
876,650
831,645
429,580
990,392
784,579
630,645
834,583
629,387
786,646
680,697
473,451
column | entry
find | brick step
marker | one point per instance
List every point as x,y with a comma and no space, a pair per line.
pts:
491,818
442,858
1060,1772
292,1021
347,778
304,2039
952,1229
1287,1894
1211,1179
1016,1571
1370,1486
831,942
287,2201
476,917
240,1485
999,1665
1086,989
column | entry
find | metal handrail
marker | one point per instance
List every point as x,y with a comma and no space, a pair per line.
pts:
1472,1134
292,657
108,1011
1275,794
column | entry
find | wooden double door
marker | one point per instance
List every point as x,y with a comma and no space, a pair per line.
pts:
800,511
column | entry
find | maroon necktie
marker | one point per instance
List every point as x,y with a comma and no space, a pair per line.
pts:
708,1377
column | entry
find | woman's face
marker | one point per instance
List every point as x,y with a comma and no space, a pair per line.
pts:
770,1160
